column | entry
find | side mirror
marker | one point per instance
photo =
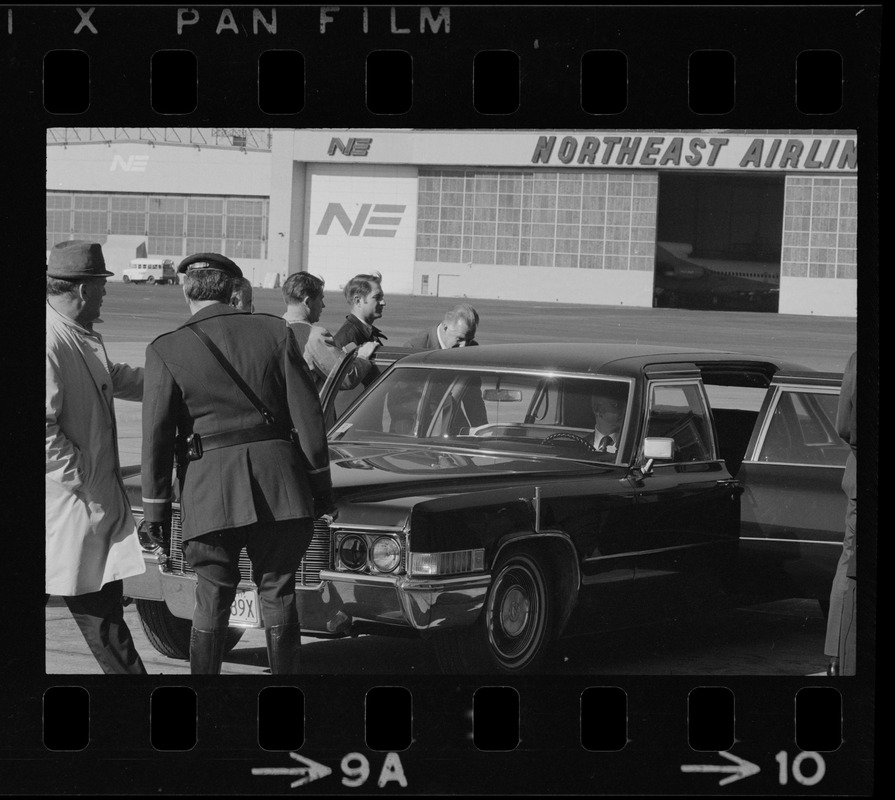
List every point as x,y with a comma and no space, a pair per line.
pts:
656,448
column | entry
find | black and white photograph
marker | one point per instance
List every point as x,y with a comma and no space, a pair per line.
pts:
479,515
449,400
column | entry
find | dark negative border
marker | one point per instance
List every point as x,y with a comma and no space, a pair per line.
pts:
549,41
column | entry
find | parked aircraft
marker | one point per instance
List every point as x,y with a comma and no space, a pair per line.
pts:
682,281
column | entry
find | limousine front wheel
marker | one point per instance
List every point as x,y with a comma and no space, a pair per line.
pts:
516,624
170,635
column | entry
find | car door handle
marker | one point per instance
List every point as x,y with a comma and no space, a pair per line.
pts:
736,487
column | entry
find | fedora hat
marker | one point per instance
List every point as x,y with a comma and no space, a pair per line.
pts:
76,260
210,261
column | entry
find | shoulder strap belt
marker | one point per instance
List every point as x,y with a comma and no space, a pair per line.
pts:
237,379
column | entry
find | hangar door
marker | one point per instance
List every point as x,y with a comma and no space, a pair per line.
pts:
718,241
361,218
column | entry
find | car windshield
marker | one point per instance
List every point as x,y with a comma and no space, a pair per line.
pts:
578,417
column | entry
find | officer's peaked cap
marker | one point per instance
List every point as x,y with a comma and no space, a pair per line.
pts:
210,261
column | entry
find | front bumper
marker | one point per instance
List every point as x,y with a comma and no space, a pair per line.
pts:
342,603
345,601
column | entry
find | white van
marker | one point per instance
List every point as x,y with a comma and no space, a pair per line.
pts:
150,270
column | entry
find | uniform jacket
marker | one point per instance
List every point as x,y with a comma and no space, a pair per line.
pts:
188,391
91,537
353,330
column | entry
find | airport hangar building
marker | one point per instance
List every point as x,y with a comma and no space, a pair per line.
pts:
574,217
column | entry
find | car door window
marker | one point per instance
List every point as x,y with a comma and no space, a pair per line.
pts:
802,430
678,411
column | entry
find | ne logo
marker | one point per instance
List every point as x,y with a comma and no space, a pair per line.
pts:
384,221
129,164
353,147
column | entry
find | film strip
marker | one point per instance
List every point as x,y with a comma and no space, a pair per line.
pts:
573,76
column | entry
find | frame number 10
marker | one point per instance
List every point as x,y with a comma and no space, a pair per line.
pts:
815,775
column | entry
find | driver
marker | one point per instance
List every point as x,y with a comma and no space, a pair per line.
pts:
608,404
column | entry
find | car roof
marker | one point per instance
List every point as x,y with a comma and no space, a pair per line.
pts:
618,359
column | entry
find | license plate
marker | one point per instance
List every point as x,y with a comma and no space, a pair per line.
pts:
244,610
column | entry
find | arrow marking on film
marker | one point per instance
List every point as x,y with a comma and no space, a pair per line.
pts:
311,771
740,768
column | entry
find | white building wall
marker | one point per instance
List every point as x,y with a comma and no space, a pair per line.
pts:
165,169
823,297
285,241
361,218
547,284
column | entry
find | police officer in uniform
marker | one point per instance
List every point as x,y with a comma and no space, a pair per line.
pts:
256,478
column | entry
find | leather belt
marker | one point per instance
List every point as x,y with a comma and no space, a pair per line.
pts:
260,433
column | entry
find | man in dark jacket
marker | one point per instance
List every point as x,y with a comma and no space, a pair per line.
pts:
251,484
366,301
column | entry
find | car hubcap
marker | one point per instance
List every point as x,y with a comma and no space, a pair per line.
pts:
514,623
514,612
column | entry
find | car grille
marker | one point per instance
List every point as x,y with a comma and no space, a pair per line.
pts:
317,557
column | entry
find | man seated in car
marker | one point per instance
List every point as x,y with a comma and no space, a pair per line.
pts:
608,404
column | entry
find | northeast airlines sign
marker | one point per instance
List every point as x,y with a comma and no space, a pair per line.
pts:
737,152
370,220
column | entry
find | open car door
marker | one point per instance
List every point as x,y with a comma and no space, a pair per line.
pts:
793,512
335,401
330,389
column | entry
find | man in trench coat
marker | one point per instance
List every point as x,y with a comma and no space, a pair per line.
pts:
91,538
254,485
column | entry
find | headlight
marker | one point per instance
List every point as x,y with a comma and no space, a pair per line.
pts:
386,554
353,552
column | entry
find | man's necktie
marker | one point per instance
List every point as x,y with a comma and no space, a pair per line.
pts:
605,443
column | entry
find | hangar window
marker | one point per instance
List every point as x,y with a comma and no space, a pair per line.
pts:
540,218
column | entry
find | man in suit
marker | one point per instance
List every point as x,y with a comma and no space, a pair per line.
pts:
608,404
261,475
91,537
457,329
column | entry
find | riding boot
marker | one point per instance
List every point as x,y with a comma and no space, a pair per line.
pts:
284,648
207,651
